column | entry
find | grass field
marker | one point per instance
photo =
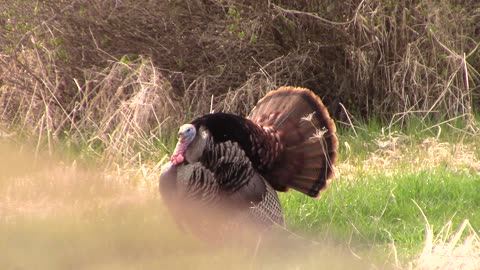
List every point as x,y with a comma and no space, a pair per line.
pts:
398,201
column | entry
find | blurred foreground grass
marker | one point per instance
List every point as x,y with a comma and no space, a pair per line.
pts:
55,215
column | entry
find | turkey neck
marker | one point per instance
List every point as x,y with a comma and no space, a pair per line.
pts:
261,144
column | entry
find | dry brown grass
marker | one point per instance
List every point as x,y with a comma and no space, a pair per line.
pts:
450,249
44,187
376,57
396,152
117,78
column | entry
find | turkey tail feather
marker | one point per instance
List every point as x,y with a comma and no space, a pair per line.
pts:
308,134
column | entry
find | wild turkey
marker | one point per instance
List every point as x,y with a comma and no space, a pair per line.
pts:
226,169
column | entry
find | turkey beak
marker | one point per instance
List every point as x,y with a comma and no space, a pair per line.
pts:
181,136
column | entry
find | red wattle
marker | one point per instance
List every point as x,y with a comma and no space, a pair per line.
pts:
177,156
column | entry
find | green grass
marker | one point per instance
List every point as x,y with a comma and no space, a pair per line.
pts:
384,172
379,210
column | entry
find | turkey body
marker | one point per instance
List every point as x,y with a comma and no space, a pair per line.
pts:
226,169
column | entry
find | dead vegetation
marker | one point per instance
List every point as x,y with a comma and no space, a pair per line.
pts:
394,149
450,249
113,72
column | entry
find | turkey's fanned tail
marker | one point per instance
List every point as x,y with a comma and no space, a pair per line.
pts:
308,134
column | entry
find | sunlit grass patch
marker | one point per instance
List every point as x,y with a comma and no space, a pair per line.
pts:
450,248
380,178
380,209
